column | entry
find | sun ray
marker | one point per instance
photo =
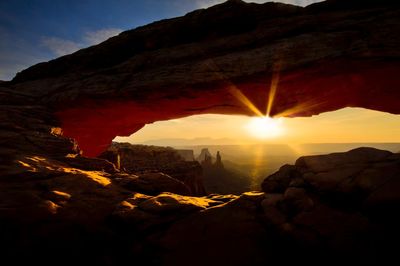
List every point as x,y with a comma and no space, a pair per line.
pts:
238,94
233,89
273,87
299,109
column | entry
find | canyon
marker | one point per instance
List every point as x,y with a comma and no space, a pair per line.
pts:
140,159
60,202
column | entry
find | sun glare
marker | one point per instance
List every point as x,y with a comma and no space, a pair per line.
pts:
265,127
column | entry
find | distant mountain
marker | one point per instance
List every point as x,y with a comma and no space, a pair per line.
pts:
204,154
322,148
174,142
248,154
231,147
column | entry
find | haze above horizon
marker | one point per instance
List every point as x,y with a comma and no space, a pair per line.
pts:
348,125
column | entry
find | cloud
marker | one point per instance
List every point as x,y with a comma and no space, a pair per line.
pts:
299,2
96,37
60,47
208,3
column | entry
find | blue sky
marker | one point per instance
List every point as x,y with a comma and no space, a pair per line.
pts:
33,31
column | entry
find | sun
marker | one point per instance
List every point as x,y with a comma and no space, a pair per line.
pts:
265,127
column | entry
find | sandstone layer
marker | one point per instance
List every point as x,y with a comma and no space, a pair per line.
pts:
57,206
330,55
146,161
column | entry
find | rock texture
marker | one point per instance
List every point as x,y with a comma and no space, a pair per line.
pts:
341,202
326,56
153,184
57,206
143,160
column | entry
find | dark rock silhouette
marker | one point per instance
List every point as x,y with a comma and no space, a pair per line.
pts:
340,196
59,206
330,55
218,179
205,156
218,161
141,159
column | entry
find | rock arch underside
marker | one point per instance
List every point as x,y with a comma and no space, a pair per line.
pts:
323,57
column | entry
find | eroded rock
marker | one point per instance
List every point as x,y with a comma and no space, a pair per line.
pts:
333,54
182,177
153,184
330,55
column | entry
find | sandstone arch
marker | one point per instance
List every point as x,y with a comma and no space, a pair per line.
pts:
328,56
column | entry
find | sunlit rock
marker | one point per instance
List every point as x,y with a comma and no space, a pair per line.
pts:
154,183
167,202
223,198
59,207
224,59
229,234
184,177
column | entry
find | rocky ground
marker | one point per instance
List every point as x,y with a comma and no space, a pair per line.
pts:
59,207
162,163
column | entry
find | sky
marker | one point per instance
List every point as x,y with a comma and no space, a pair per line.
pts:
348,125
33,31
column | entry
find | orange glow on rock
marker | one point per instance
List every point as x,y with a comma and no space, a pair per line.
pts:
323,87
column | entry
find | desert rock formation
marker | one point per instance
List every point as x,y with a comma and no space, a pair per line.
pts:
329,55
58,206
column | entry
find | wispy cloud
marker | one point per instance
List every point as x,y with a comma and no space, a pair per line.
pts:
98,36
208,3
60,47
299,2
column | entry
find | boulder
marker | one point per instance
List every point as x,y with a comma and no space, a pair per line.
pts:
229,234
279,181
56,206
298,199
154,184
272,209
330,162
168,202
355,173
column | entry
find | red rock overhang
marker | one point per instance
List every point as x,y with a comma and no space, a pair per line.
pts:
324,87
331,55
